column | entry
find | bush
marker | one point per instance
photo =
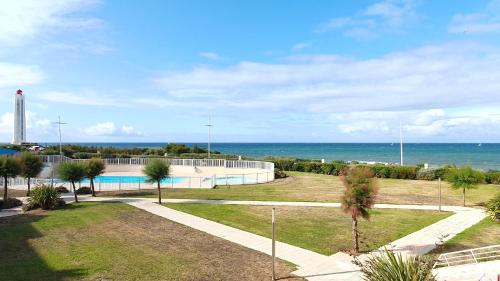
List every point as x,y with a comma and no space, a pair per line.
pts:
432,174
312,167
492,177
333,168
393,267
10,203
61,189
395,172
44,196
493,207
279,174
84,190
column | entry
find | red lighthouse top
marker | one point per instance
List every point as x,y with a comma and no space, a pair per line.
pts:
19,92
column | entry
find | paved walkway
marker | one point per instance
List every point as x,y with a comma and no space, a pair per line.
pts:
311,265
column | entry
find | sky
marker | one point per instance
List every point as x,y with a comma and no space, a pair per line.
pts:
265,71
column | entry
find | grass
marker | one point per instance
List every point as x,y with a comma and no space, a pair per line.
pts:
485,233
324,188
320,229
115,241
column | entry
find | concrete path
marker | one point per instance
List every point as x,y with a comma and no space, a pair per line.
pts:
311,265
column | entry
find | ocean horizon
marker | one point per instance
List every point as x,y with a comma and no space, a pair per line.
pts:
484,156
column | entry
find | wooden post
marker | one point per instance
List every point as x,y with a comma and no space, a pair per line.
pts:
274,245
439,181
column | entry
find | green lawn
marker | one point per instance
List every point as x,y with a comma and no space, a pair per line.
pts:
320,229
115,241
485,233
324,188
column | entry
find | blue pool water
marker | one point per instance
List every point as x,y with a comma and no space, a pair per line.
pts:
133,179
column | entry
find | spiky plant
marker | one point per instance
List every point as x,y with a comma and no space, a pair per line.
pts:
393,267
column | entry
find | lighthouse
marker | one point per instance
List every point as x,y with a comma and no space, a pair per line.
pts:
19,119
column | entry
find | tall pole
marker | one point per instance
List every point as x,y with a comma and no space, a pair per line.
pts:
59,123
439,180
273,245
401,142
209,125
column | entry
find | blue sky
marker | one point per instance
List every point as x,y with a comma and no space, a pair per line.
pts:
266,71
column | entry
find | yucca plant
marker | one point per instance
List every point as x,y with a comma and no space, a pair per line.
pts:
393,267
44,196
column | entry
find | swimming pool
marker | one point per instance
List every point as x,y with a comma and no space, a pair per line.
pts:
133,179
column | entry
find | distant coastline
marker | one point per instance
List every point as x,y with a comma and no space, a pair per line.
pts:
485,156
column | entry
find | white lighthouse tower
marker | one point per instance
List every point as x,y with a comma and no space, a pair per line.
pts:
19,119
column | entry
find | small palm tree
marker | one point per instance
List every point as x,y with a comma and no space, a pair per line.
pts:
393,267
359,196
10,167
464,178
93,168
72,172
157,170
32,166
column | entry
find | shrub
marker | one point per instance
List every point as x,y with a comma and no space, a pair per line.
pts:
283,164
312,167
10,203
279,174
493,207
84,190
492,177
391,267
61,189
432,174
44,196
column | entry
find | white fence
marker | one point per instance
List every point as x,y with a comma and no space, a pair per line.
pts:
468,256
240,164
117,183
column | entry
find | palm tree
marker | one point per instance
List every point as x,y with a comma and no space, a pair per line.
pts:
72,172
464,178
32,166
10,167
157,170
94,167
359,196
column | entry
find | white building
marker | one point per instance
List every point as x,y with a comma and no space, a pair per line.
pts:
19,119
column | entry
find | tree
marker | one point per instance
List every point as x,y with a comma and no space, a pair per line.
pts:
359,196
393,267
10,167
93,168
72,172
464,178
157,170
32,166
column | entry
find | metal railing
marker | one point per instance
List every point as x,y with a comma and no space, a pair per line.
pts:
468,256
241,164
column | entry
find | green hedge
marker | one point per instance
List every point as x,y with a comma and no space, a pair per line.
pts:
492,177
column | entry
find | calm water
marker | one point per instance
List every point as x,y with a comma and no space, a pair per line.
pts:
485,156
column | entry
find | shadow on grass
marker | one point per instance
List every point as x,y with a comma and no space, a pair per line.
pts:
18,259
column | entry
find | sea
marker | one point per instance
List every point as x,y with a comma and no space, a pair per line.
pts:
484,156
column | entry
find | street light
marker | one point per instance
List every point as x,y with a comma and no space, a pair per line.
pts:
59,123
209,125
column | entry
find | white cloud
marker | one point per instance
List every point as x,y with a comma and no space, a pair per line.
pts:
109,129
18,75
301,45
36,126
210,55
486,21
454,74
82,98
380,17
22,20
